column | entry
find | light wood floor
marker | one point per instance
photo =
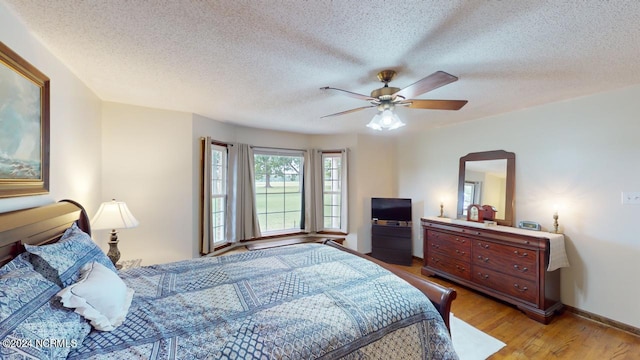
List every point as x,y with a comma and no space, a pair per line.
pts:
568,336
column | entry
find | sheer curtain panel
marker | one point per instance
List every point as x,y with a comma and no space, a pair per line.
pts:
241,209
313,191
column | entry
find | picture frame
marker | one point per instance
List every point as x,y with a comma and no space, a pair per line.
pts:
24,127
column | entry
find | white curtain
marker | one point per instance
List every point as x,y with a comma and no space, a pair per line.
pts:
313,191
242,217
206,238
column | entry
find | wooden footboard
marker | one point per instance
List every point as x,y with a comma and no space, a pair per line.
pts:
440,296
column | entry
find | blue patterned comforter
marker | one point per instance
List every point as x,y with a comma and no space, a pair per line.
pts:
305,301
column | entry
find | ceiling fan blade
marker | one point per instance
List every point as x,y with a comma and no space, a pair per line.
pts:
434,104
431,82
351,94
349,111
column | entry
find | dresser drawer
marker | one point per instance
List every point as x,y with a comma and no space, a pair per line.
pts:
452,266
506,259
457,247
517,287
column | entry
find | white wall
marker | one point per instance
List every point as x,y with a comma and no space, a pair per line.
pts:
579,154
147,163
75,137
375,176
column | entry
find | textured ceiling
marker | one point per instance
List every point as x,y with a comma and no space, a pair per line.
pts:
261,63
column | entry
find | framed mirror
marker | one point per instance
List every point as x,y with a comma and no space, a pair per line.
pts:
488,178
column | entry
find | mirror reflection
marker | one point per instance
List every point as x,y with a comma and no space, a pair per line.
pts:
488,178
485,182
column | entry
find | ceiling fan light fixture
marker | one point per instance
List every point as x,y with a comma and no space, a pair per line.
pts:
397,123
385,120
375,123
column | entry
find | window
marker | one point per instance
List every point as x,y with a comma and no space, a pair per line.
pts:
218,193
332,191
471,194
279,191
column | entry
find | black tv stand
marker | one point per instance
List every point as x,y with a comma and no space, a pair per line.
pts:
391,242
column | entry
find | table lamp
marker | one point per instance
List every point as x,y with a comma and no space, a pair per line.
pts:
113,215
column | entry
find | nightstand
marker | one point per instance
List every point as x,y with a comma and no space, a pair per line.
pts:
129,264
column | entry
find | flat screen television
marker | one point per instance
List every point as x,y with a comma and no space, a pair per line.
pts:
391,209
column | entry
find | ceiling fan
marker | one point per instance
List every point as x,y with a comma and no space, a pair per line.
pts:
386,98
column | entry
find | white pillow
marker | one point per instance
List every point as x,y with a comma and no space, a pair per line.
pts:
100,296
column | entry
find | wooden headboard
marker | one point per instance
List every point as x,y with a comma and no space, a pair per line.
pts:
38,226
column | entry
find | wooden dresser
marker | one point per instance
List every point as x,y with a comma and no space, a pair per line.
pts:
508,266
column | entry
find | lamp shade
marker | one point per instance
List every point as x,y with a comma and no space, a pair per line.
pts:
385,120
113,215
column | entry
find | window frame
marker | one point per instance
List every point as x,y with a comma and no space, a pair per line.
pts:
219,239
333,179
265,228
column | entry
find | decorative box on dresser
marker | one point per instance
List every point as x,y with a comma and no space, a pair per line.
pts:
507,263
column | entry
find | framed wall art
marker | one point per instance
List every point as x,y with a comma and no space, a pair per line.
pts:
24,127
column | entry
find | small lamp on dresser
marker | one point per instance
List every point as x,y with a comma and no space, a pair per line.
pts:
555,219
113,215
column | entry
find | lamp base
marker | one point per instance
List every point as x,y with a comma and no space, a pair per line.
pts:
114,253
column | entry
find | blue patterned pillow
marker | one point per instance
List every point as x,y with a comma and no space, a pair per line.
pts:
32,323
68,255
18,262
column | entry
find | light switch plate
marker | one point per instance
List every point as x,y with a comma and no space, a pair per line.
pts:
631,198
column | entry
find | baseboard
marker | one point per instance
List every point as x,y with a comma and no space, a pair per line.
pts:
603,320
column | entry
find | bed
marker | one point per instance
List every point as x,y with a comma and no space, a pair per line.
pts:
301,301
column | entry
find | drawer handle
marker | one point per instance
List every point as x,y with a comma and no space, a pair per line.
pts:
460,268
521,289
520,254
484,276
461,241
437,246
460,252
478,233
523,270
485,246
485,259
435,260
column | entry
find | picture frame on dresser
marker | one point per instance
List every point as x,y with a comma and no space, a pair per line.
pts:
24,126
